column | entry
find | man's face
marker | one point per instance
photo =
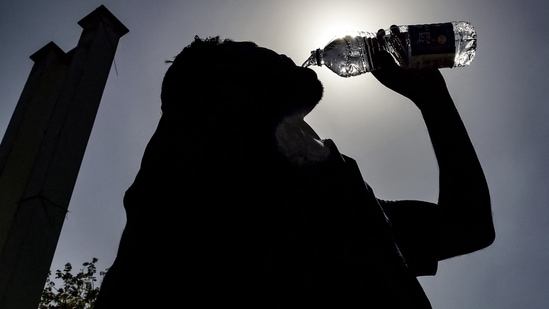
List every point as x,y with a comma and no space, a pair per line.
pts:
292,88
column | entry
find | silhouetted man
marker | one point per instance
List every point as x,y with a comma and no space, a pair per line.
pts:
239,204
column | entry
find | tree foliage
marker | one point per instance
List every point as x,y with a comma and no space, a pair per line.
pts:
77,292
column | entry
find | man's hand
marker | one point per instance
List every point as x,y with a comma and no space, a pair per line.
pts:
464,200
420,86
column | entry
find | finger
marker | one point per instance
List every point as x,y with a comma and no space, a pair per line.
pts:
380,33
395,29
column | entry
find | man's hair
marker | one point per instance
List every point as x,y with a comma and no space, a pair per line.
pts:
196,74
200,45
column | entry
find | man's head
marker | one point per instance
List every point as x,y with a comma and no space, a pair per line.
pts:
239,79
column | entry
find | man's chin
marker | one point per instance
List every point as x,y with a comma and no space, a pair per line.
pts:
306,93
308,106
316,93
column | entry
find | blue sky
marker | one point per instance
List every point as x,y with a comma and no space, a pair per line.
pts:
502,97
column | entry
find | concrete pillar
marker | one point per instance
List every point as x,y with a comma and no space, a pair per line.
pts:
41,153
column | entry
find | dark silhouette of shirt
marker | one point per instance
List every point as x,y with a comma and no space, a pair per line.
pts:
263,233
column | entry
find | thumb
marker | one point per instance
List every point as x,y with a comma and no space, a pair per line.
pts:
386,68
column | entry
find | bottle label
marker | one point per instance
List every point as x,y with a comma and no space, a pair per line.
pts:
432,46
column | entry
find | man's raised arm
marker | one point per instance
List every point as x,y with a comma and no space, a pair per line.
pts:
466,218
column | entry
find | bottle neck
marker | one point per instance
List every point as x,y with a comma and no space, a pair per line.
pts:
314,59
318,56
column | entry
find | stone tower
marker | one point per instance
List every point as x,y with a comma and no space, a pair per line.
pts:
41,153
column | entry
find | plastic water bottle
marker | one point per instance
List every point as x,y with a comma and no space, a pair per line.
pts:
442,45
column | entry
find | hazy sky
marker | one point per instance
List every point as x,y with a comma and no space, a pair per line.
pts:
502,98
